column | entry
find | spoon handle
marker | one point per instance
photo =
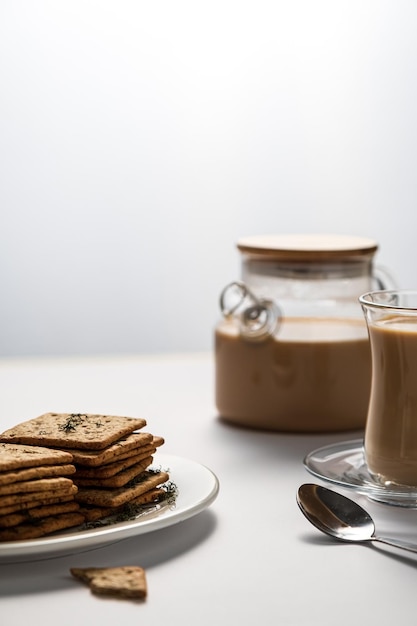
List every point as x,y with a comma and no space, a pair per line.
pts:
397,544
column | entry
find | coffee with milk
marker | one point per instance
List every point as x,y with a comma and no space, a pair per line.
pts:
391,429
314,375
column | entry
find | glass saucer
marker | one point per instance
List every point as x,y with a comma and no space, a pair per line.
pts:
343,464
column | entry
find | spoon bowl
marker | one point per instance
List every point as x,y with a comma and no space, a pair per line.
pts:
341,518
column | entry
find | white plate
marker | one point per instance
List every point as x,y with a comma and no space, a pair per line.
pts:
197,487
344,464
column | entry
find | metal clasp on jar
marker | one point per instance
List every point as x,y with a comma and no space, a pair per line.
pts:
258,317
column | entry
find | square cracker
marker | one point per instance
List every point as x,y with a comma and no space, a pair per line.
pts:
116,451
110,469
48,471
36,496
94,513
42,527
20,517
72,430
28,486
16,456
118,480
124,581
121,495
40,501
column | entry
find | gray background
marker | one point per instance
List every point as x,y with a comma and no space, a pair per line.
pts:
140,140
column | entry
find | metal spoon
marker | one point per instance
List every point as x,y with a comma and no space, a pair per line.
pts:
340,517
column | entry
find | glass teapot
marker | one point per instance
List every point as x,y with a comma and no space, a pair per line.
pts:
292,350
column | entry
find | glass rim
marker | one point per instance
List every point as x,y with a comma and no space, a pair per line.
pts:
388,305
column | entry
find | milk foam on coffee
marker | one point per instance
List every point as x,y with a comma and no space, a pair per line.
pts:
391,431
313,375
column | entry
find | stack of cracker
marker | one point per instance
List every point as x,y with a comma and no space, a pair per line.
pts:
37,495
111,459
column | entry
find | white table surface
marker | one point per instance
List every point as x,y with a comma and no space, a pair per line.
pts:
250,557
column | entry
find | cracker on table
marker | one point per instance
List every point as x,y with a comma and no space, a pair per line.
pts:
72,430
42,527
18,456
47,471
123,581
121,495
93,458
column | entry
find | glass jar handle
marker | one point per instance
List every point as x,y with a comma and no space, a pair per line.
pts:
383,279
258,317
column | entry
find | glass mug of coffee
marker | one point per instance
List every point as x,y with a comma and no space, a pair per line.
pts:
391,428
292,350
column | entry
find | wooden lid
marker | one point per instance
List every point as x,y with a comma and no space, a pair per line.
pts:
306,247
